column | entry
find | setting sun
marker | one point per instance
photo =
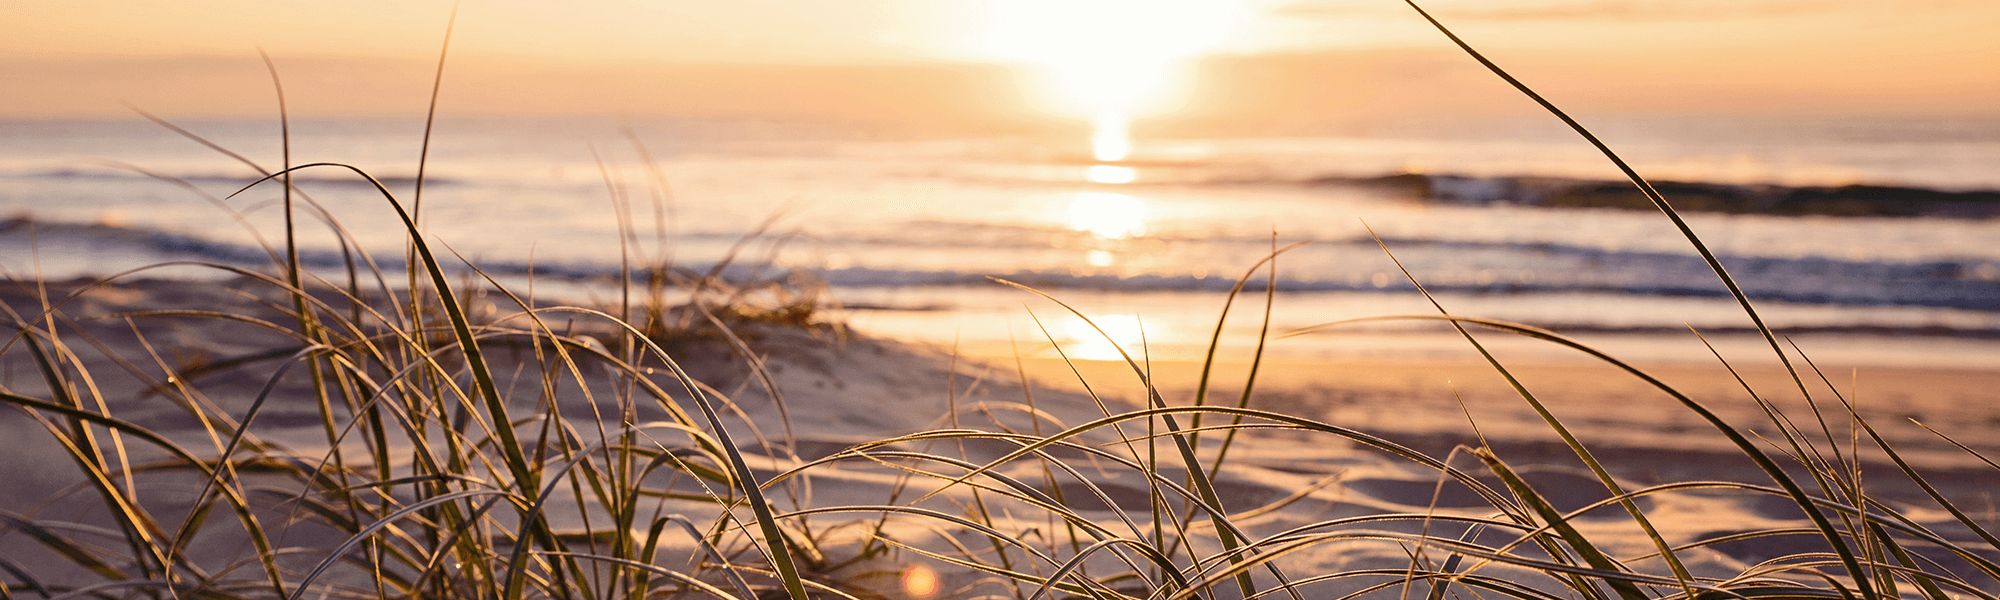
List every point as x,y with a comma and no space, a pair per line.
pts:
1108,59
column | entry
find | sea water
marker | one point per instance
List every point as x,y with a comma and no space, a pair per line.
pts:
908,230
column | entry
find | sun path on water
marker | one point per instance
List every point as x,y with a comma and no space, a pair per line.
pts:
1106,63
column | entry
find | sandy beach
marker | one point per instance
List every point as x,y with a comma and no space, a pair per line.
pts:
145,349
1426,300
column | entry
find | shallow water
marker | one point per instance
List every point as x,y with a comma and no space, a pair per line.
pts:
906,229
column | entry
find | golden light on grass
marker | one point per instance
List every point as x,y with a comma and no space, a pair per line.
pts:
1107,215
367,511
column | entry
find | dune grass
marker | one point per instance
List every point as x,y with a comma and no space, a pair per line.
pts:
440,471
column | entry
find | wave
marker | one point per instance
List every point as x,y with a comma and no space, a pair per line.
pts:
120,173
1448,188
1852,200
1462,267
1857,200
1916,291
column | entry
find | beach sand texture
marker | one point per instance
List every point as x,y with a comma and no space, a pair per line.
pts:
188,360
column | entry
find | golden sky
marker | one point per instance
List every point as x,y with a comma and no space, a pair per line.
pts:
1254,64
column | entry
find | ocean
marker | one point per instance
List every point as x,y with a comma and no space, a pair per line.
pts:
1867,242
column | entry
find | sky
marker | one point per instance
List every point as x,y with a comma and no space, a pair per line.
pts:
1248,65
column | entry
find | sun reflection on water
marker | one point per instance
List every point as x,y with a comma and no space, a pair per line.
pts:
1107,215
1118,331
1112,174
1110,137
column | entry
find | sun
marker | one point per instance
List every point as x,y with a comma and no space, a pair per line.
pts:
1108,60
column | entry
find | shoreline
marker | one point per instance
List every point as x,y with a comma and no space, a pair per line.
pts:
1310,382
1407,392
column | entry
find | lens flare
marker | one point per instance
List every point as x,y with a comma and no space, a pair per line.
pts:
920,581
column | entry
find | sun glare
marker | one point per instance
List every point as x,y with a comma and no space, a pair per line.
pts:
1111,174
1119,331
1110,137
1109,59
1107,215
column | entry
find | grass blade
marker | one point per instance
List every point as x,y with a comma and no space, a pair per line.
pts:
1554,519
1833,537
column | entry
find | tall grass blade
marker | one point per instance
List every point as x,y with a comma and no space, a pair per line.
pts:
1165,564
25,579
1554,519
526,477
430,116
1770,468
369,532
1224,533
142,530
1833,537
1215,338
774,537
1912,473
59,545
683,578
80,443
1968,450
1576,446
1914,572
185,534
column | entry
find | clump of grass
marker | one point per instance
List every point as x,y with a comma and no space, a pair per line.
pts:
434,465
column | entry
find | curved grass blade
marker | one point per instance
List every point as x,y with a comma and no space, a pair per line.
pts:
1075,562
684,578
525,477
1215,338
1576,446
1833,537
369,531
59,545
1757,455
236,500
1224,532
1554,519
